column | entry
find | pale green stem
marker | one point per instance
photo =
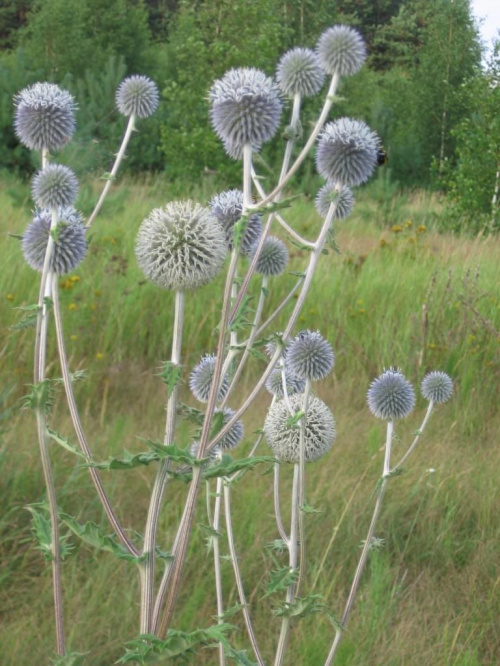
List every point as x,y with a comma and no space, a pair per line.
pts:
366,546
237,573
148,566
119,157
77,424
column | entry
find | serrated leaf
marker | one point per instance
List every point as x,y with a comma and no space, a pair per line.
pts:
127,462
299,274
258,355
227,466
240,656
41,528
332,241
301,606
64,442
41,396
278,545
170,374
191,414
70,659
209,530
301,246
229,612
307,508
91,534
280,579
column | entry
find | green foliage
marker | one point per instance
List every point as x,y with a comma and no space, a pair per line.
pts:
42,532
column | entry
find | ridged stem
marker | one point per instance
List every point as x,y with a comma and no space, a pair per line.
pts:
217,564
417,437
302,486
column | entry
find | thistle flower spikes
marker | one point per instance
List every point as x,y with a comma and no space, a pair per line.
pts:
200,380
55,186
273,258
341,50
310,356
137,95
299,72
437,387
391,396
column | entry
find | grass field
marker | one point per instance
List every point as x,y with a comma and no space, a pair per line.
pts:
399,294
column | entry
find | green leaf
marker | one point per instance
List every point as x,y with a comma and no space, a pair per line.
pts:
301,246
307,508
227,466
70,659
41,529
301,606
107,175
240,656
229,612
91,534
191,414
170,374
332,242
280,579
258,355
209,530
41,396
64,442
127,462
278,545
295,418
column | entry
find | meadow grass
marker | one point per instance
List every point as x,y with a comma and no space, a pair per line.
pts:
399,294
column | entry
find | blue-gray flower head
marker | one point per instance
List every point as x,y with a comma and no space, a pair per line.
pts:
227,208
341,50
284,439
245,107
274,384
137,95
235,433
299,72
343,199
273,258
70,244
211,456
44,116
347,152
310,356
181,246
56,186
200,380
391,396
437,387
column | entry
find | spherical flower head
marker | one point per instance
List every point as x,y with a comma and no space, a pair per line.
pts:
391,396
273,258
343,200
245,108
44,116
70,244
347,152
137,95
235,433
437,387
299,73
211,456
200,380
56,186
181,246
284,439
310,356
227,208
274,384
341,50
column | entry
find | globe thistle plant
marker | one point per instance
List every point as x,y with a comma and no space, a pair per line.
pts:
284,439
70,243
245,107
44,116
235,433
137,96
299,73
341,50
274,384
181,246
310,356
227,207
343,199
347,152
273,258
211,456
55,186
437,387
200,380
391,396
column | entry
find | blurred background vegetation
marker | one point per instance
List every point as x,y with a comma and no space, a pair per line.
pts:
424,89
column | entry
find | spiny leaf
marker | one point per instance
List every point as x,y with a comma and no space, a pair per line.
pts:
191,414
41,529
280,579
32,314
91,534
258,354
41,396
229,612
301,246
307,508
278,545
240,656
332,241
64,442
70,659
227,466
127,462
301,606
209,530
277,205
170,374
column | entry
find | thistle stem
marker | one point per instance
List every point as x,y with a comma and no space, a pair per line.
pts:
218,573
417,438
237,573
149,546
302,486
277,507
77,424
119,157
280,307
366,546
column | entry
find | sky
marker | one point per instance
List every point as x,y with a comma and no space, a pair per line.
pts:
489,10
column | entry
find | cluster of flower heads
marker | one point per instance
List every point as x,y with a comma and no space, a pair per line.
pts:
181,246
227,207
392,397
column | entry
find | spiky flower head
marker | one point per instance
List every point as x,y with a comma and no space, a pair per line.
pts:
137,95
343,199
437,387
181,246
245,107
227,208
273,258
70,244
211,456
347,152
235,433
310,356
44,116
55,186
341,50
299,72
391,396
200,380
284,439
274,384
